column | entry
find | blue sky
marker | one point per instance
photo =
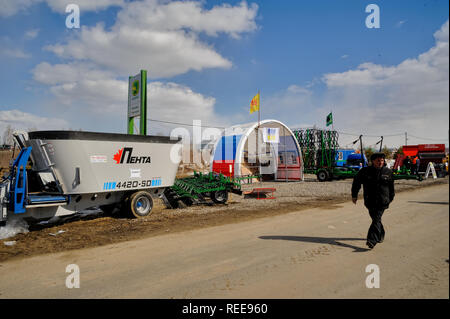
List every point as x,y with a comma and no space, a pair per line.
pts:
207,59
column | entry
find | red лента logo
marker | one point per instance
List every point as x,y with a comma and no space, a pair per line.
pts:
126,152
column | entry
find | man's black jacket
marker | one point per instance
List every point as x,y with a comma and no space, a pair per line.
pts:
378,186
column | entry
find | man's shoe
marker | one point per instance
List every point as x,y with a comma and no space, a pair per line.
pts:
370,245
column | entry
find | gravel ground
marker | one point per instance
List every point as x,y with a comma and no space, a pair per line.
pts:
307,191
98,229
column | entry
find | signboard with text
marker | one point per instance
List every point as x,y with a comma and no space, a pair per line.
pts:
134,96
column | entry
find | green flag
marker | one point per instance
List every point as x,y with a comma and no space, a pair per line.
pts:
329,119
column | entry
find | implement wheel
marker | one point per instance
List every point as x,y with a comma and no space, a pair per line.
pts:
168,198
219,197
141,204
322,176
187,201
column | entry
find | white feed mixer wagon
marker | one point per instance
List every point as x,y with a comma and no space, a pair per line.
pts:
60,173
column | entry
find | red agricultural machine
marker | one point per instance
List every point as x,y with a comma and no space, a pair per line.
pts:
427,153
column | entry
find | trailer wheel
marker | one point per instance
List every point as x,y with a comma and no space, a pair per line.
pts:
141,204
219,197
322,176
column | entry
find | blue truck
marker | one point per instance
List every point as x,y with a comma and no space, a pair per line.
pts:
349,158
354,160
323,157
342,155
347,164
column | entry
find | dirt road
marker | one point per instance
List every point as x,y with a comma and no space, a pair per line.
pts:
314,253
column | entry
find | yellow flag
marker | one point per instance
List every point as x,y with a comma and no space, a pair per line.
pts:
254,104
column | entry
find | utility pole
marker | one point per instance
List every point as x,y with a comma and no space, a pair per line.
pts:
406,138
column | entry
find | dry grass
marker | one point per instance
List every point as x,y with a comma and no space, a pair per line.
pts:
5,158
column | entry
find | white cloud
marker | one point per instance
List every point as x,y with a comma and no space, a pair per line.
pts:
153,35
163,54
432,64
295,89
400,23
11,7
14,53
95,92
412,96
442,34
294,106
85,5
178,103
162,38
81,84
66,73
19,120
375,100
190,15
31,34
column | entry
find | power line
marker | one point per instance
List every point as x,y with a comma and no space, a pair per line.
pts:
366,135
184,124
427,138
390,135
343,133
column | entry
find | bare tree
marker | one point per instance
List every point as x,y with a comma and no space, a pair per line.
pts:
369,151
398,152
387,152
8,138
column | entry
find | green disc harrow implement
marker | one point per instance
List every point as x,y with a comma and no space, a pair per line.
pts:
199,187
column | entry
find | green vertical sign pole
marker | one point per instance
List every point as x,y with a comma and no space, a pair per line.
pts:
130,119
143,117
137,107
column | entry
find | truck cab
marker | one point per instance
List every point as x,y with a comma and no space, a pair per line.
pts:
356,161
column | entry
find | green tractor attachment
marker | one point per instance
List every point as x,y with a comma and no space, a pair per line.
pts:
199,187
404,173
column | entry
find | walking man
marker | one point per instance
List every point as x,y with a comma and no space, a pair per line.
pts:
417,165
413,165
378,189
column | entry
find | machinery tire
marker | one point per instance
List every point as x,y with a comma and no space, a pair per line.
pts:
322,176
169,200
187,201
219,197
141,204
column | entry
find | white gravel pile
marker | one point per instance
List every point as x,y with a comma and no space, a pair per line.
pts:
13,227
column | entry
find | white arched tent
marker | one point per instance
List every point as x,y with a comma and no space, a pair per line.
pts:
274,155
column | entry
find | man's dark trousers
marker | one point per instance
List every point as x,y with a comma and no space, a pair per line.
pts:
376,229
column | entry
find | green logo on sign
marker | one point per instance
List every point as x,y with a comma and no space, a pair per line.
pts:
135,88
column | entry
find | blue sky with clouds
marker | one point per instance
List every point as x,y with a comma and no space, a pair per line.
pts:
207,59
